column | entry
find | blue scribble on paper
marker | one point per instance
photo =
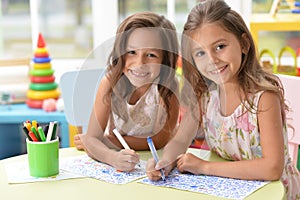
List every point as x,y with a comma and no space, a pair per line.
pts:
212,185
86,166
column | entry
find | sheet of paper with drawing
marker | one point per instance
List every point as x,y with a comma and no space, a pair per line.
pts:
19,173
212,185
86,166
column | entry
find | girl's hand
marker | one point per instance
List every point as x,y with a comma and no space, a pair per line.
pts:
153,170
190,163
78,142
125,160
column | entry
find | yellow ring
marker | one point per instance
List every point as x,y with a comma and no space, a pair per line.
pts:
42,65
41,50
40,95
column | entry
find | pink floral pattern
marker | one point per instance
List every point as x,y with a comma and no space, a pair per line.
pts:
236,137
243,123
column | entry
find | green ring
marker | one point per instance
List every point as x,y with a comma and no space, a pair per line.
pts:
41,72
43,86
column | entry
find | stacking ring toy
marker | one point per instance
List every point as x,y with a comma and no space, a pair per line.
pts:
41,60
41,50
43,86
42,79
42,65
41,72
41,55
40,95
34,103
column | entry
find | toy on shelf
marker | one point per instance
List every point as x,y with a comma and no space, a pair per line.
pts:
291,5
280,68
267,64
296,7
6,99
287,69
42,81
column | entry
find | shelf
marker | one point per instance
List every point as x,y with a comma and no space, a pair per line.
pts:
281,22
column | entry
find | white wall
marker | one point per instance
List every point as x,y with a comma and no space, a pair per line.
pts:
243,7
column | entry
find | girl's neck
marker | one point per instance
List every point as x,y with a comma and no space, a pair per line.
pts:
230,97
138,93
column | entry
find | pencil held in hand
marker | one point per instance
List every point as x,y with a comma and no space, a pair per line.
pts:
155,156
121,139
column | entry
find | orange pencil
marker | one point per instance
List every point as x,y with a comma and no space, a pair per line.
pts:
32,136
28,126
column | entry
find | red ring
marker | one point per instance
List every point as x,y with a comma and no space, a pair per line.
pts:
42,79
34,103
41,55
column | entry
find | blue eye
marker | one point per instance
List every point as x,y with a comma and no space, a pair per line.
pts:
199,53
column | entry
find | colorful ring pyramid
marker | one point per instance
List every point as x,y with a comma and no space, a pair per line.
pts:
42,85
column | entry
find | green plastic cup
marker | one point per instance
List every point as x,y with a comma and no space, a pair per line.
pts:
43,158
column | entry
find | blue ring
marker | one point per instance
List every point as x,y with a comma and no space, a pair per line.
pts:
41,60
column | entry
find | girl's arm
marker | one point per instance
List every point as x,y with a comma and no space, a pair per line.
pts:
182,140
161,138
96,145
269,167
178,145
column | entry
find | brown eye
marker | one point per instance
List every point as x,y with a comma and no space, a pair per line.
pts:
220,47
131,52
151,55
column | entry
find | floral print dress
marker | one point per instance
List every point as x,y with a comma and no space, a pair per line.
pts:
236,137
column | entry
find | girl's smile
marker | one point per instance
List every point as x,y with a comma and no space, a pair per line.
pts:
138,74
143,57
219,70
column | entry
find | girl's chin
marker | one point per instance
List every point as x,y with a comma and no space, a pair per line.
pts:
138,84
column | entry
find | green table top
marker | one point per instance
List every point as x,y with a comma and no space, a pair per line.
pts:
88,188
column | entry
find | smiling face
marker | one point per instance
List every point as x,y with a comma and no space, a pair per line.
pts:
143,57
217,53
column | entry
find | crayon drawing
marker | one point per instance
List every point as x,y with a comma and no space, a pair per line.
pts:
212,185
86,166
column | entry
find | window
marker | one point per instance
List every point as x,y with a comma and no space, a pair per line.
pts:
15,30
73,28
65,25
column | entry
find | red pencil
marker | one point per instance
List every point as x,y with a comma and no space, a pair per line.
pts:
32,136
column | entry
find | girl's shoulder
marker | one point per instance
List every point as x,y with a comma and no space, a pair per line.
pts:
104,85
267,99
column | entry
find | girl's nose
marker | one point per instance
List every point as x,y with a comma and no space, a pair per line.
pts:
213,58
140,60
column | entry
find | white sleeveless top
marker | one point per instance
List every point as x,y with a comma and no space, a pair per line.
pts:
145,118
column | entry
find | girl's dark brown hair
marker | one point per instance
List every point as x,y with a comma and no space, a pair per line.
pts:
251,76
121,86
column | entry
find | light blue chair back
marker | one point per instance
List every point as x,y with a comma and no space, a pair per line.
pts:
79,89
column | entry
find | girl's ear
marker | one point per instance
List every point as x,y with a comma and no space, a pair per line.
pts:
245,43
